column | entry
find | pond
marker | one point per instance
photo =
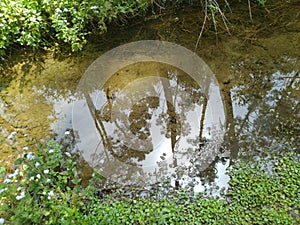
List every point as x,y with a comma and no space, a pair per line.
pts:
149,111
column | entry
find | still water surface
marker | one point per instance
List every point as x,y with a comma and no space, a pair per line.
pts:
256,67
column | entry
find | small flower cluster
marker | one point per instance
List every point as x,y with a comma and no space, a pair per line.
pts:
20,196
50,194
11,177
44,176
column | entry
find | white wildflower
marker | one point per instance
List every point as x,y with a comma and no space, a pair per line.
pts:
38,176
30,156
51,151
44,193
12,135
7,181
48,180
2,220
46,171
22,195
2,190
31,178
94,7
58,11
37,164
68,154
50,194
25,148
16,173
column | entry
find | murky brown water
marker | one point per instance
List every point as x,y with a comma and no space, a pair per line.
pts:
257,68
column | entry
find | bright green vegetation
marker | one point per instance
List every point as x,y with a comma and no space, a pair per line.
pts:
56,23
65,25
45,189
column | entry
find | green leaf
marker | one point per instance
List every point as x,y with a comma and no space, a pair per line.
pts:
2,171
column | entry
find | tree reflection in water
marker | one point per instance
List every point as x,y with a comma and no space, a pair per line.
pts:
151,119
152,124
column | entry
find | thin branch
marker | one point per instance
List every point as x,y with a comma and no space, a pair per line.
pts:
203,118
225,21
203,25
216,6
250,12
159,6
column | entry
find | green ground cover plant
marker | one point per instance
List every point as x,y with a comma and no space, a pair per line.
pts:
45,188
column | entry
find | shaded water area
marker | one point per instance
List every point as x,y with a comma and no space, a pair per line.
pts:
257,69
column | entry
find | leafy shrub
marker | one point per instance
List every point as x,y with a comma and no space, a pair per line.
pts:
44,189
56,24
53,23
